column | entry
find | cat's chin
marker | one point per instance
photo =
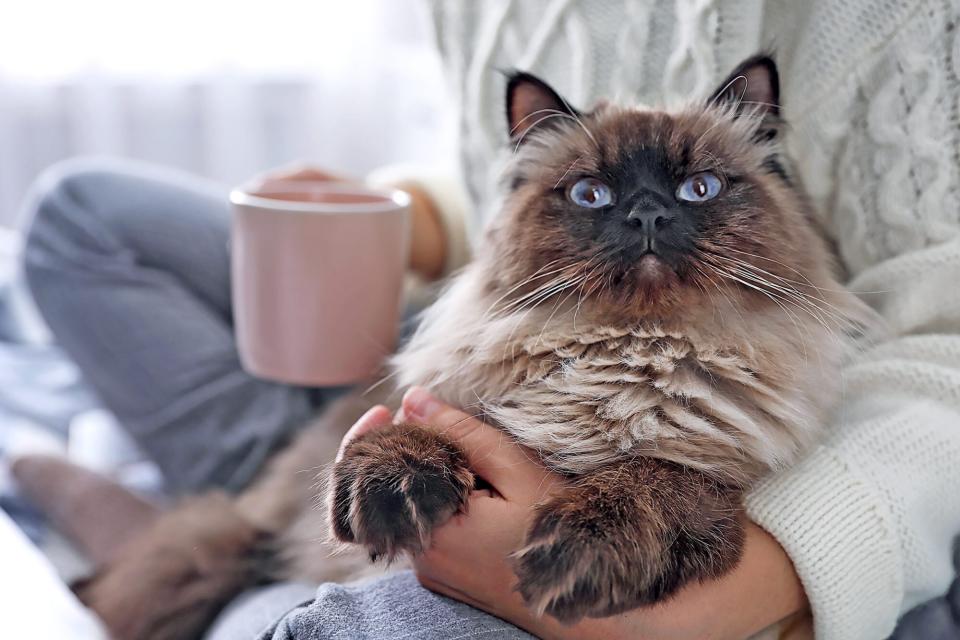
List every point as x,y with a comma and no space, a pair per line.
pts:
653,276
652,268
650,288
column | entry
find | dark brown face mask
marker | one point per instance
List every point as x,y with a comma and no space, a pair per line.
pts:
644,200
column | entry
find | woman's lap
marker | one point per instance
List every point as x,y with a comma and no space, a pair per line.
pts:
388,608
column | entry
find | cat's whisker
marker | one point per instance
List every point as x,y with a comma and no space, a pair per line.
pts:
534,114
723,296
536,276
696,281
773,298
789,295
717,164
818,305
799,273
539,289
551,113
556,306
522,313
539,294
580,297
832,322
567,172
787,287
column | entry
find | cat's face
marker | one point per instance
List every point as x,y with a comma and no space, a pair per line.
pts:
639,210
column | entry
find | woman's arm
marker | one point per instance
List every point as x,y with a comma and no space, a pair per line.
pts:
469,556
869,516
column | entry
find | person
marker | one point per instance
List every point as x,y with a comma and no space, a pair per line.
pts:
129,268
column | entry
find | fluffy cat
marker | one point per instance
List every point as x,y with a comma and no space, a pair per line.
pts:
653,313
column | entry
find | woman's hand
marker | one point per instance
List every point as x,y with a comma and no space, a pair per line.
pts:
300,172
427,238
469,556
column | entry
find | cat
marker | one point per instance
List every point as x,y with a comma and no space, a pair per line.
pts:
652,312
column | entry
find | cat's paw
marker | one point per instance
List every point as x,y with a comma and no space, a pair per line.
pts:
576,563
392,487
601,548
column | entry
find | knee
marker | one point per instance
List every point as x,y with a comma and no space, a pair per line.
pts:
58,219
67,187
62,201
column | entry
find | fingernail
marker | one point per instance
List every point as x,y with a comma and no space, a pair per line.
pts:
367,422
367,417
418,404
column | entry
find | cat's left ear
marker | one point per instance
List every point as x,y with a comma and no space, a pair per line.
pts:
754,86
531,102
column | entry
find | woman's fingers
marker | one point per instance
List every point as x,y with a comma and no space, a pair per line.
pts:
378,416
297,172
512,470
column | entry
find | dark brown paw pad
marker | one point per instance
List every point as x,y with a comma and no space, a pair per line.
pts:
392,488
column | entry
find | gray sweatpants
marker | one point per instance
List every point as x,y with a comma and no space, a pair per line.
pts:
129,266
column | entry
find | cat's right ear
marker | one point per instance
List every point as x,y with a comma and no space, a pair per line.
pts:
531,102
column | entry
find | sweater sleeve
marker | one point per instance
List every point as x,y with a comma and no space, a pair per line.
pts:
448,194
868,517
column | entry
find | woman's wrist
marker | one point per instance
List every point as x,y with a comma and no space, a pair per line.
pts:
428,241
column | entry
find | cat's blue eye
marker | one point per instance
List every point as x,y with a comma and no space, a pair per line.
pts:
590,193
700,187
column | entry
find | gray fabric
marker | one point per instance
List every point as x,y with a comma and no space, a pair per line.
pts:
129,266
937,619
389,608
259,609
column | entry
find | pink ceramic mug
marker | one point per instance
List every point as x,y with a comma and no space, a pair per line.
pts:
317,272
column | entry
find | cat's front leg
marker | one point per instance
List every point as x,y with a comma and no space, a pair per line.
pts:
627,535
393,486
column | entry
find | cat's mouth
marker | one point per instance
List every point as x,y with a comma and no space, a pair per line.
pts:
649,272
651,267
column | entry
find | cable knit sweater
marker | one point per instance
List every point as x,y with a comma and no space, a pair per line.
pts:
872,96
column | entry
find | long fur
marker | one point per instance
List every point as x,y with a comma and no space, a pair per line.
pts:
734,378
662,385
661,389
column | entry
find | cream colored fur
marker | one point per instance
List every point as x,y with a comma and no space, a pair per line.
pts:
716,389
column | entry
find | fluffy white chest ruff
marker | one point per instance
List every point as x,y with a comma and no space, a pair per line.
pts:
642,392
583,396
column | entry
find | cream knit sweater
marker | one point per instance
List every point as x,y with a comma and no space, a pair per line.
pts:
872,95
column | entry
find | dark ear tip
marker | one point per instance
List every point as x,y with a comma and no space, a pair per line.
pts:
515,78
768,61
527,95
755,80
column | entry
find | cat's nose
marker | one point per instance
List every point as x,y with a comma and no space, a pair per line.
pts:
649,221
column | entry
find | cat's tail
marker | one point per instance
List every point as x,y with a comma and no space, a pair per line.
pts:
171,581
166,575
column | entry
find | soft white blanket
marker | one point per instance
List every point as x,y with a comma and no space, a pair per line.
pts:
34,602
